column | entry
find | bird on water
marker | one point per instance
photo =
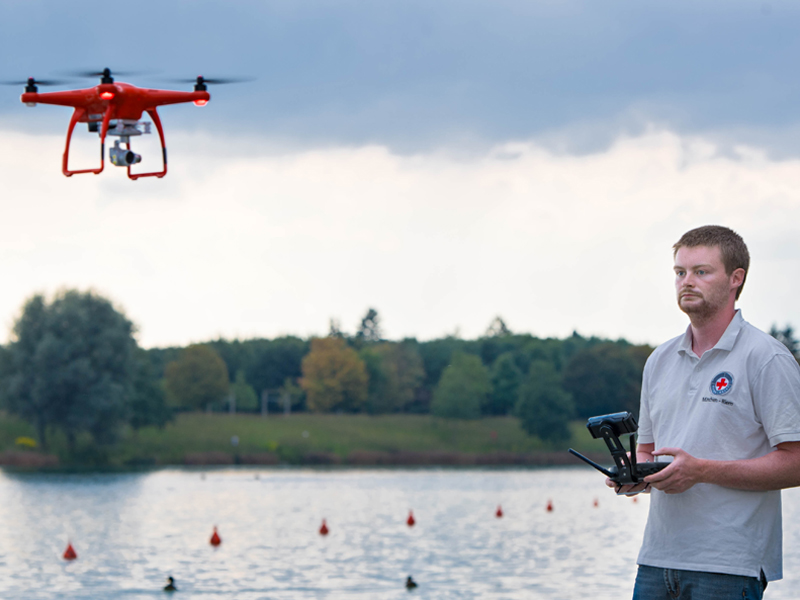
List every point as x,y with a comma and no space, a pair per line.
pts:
170,587
410,583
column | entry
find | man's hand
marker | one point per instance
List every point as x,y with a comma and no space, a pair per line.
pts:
628,490
682,474
643,454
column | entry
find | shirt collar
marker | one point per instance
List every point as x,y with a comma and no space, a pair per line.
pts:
731,332
725,342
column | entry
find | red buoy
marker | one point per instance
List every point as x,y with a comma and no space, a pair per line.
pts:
324,529
215,539
410,520
69,553
596,503
549,506
635,499
499,512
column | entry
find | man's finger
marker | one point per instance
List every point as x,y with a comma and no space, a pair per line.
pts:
660,475
631,489
667,452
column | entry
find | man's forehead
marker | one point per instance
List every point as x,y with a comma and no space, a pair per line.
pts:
693,256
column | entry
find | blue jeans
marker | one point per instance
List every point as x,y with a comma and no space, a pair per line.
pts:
671,584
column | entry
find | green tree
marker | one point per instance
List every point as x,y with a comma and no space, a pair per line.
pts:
462,389
334,377
395,373
148,405
544,408
273,361
549,350
606,378
506,379
497,328
198,379
369,331
377,380
70,365
246,397
437,355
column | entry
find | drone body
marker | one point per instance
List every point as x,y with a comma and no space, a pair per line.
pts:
115,109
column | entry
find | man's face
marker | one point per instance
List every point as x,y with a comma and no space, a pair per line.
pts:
702,286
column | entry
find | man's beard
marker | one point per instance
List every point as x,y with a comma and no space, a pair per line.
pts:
701,312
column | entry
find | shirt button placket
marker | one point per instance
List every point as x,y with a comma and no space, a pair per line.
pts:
693,379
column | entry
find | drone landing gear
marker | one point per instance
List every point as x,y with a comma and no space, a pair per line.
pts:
159,174
77,115
118,155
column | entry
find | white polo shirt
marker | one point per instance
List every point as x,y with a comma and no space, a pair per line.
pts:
738,401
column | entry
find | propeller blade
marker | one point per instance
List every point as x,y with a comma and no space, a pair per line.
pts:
46,82
105,72
219,81
213,80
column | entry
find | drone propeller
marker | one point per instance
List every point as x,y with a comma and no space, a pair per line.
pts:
214,81
105,75
200,82
32,83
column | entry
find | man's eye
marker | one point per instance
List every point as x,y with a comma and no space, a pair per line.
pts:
701,272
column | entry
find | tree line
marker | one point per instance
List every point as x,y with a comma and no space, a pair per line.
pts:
544,382
73,364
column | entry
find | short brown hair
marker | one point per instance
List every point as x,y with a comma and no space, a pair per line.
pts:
731,246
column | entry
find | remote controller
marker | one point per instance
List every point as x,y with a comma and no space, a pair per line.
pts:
626,470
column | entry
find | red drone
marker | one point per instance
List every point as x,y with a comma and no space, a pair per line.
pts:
115,108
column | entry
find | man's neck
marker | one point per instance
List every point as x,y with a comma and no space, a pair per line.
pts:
706,333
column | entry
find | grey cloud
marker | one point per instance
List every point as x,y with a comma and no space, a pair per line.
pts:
414,74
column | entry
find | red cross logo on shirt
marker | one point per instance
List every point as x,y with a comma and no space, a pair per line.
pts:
722,383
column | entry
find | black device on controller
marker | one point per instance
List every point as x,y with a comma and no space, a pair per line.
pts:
626,470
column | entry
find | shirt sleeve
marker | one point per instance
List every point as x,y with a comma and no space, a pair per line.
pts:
645,424
776,397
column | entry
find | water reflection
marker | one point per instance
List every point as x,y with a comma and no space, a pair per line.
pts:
132,530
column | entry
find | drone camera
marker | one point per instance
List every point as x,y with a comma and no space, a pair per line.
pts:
122,157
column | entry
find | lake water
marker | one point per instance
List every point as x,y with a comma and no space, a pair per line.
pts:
132,530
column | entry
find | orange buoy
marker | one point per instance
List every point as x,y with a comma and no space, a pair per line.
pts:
635,499
69,553
324,529
499,512
410,520
549,506
215,539
596,503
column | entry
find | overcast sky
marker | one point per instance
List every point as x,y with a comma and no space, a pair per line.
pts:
443,162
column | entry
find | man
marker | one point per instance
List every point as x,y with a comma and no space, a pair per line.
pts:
723,400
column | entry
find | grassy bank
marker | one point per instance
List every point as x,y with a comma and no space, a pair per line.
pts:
310,438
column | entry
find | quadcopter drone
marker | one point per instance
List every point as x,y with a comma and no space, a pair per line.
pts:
115,109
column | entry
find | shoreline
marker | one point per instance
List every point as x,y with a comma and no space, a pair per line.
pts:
14,461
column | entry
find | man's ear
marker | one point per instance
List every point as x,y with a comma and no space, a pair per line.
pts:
737,277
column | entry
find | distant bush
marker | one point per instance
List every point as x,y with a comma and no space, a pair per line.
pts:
334,377
198,378
544,408
462,389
